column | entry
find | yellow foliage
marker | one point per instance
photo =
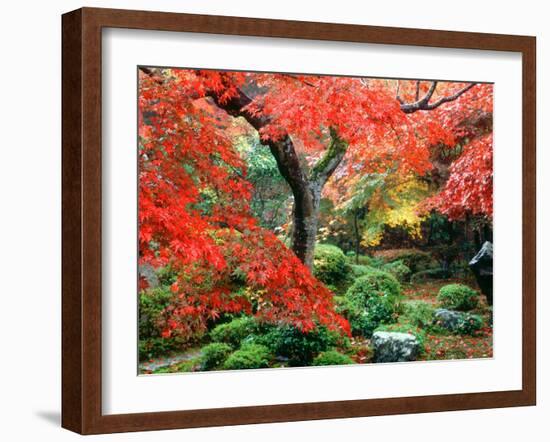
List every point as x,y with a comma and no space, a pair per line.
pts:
396,206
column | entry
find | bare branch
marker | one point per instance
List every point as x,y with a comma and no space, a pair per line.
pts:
424,103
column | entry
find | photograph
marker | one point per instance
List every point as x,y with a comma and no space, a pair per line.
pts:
303,220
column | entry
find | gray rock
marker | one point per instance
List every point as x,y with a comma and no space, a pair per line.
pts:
394,347
482,266
448,319
148,272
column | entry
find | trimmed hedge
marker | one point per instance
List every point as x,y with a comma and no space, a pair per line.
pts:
332,357
213,355
458,297
371,300
419,313
234,332
329,264
414,259
248,357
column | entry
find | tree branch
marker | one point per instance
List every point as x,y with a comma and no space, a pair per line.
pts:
424,103
327,164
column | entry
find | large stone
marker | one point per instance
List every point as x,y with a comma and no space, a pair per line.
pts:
482,266
148,272
394,347
448,319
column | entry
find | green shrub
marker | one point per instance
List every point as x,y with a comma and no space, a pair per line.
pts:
365,260
419,313
416,260
213,355
152,303
358,270
470,324
458,297
234,332
332,357
425,275
248,357
155,347
297,346
373,299
401,272
376,282
329,264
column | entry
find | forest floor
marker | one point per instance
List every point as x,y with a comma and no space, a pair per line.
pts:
452,346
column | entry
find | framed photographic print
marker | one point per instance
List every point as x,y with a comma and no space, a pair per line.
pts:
269,221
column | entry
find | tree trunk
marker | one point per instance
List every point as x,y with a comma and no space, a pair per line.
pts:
304,217
306,187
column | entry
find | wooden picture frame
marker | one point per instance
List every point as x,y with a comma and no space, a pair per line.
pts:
81,250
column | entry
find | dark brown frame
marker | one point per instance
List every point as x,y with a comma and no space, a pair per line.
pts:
81,250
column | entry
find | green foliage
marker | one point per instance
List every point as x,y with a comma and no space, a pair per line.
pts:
270,190
419,314
375,283
155,347
425,275
332,357
401,272
329,264
458,297
297,346
234,332
358,270
166,275
248,357
214,354
373,299
152,303
470,324
416,260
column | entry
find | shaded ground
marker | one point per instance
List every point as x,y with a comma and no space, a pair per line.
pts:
154,365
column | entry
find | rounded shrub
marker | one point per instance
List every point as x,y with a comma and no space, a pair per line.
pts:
470,324
247,357
358,270
329,264
458,297
401,272
374,283
414,259
214,355
297,346
332,357
234,332
419,313
371,300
